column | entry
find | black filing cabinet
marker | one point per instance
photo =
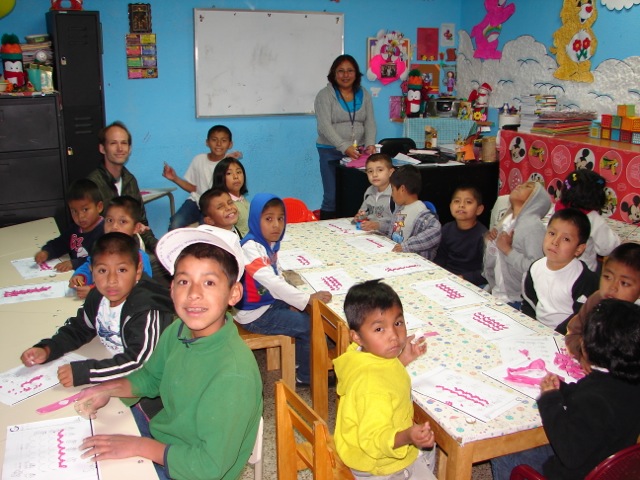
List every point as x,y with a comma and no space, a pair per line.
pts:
32,160
77,45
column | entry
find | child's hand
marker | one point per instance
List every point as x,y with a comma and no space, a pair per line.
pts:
360,216
76,281
504,241
235,154
413,349
321,295
34,356
91,400
491,235
82,292
369,226
64,266
41,257
549,382
397,248
65,375
106,447
169,173
422,436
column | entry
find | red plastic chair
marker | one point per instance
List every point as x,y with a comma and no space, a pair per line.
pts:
624,465
297,211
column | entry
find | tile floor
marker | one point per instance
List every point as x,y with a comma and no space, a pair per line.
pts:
480,472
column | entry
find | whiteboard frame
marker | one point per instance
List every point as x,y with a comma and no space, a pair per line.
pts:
199,90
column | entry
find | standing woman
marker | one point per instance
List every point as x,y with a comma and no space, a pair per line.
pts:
345,121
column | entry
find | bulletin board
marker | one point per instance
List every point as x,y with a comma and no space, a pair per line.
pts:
263,62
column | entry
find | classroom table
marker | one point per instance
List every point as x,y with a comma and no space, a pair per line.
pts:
23,324
462,441
151,194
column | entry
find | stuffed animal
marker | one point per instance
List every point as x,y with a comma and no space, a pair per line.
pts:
479,99
486,32
12,60
387,62
574,43
414,101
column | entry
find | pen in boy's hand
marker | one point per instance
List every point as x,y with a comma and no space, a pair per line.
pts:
79,282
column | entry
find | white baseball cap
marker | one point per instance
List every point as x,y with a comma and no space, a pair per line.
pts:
172,244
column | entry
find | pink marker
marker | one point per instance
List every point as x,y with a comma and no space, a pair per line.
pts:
52,407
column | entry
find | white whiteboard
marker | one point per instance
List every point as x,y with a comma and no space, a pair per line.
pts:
263,62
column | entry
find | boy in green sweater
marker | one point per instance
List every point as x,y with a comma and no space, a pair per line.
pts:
207,377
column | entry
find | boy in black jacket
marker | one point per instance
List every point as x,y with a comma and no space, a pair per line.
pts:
127,310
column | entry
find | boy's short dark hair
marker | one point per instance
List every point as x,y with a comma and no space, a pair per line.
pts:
102,134
627,254
116,243
84,188
219,128
475,193
409,176
380,157
220,172
227,262
578,219
208,196
363,298
612,339
129,204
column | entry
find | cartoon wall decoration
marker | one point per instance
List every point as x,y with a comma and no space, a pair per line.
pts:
388,57
486,32
619,4
574,43
6,6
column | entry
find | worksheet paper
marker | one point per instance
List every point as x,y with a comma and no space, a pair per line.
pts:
48,450
343,226
23,382
36,291
297,259
371,243
402,266
471,396
28,268
448,294
490,324
337,282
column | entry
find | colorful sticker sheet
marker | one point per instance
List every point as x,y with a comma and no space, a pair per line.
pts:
36,291
337,281
489,323
28,268
56,446
401,266
297,259
448,294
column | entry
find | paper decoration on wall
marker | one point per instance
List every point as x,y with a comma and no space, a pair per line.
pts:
610,4
447,35
486,32
428,44
6,6
574,43
142,55
388,57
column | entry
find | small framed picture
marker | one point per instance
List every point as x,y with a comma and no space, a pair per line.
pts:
140,17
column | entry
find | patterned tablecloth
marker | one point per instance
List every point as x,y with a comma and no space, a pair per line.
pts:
449,344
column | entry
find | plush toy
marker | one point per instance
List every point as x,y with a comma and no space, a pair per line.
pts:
486,32
12,60
574,42
479,99
413,101
387,62
73,5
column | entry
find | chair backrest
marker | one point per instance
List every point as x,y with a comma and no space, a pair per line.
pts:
324,323
297,211
393,146
316,453
623,465
255,460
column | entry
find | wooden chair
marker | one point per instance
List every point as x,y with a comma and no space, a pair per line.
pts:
281,352
325,323
624,465
316,453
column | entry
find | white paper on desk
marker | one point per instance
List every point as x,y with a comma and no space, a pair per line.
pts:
36,291
489,323
469,395
448,294
23,382
297,259
402,159
28,268
47,450
413,322
371,243
517,349
342,226
401,266
337,281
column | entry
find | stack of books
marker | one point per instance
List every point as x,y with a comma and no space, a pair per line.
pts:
563,123
532,107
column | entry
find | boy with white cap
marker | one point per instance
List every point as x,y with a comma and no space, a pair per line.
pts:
206,376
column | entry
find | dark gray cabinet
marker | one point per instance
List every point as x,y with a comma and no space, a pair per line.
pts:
32,160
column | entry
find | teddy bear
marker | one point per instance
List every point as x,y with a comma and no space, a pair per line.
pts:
486,32
574,43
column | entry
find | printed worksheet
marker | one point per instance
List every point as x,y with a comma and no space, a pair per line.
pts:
401,266
337,281
36,291
489,323
448,294
297,259
469,395
518,349
371,243
48,450
23,382
28,268
343,226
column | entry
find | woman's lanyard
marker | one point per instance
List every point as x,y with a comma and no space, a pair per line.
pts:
352,118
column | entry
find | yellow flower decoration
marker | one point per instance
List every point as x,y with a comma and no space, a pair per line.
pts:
477,116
